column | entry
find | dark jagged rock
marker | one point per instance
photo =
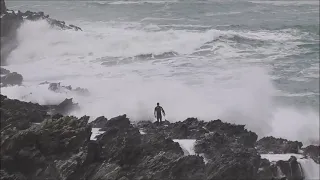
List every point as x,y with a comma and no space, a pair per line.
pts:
57,116
121,122
51,150
12,79
313,152
20,115
4,71
119,145
244,136
81,91
99,122
228,157
163,167
274,145
34,16
64,108
56,87
266,170
153,144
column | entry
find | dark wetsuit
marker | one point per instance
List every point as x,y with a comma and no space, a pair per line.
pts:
158,110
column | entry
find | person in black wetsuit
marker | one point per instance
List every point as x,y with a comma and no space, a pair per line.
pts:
157,113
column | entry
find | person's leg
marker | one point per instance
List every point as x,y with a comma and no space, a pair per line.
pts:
160,118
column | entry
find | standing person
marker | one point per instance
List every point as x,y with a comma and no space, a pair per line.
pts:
157,113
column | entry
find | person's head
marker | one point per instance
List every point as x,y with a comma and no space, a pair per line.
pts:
157,104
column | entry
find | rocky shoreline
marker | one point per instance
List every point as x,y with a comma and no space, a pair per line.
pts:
36,144
44,142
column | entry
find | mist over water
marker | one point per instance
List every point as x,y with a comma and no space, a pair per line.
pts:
263,75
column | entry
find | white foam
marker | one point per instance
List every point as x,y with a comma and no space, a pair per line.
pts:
95,133
278,157
186,86
141,132
310,168
187,145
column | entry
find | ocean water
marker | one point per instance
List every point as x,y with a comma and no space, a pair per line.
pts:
246,62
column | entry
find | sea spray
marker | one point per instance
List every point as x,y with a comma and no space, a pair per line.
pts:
208,87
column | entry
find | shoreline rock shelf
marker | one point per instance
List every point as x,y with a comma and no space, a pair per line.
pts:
38,145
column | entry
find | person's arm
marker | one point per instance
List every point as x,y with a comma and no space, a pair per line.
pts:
163,111
155,112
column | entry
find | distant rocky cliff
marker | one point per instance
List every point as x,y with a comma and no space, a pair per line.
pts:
11,21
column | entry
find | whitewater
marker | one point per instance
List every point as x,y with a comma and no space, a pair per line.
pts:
248,62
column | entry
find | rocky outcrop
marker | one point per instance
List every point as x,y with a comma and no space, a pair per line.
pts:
11,79
274,145
58,88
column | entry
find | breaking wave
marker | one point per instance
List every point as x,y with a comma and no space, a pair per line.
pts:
208,87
